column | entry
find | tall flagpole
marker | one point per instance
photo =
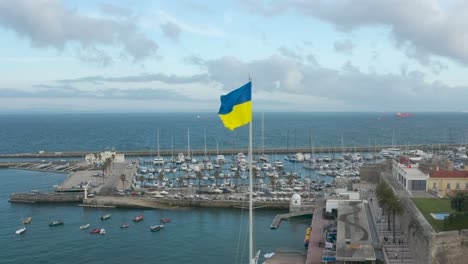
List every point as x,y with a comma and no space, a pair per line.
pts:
251,249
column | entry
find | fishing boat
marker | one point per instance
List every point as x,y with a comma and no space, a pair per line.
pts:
86,226
105,217
165,220
138,218
27,220
156,228
21,231
56,223
124,226
95,231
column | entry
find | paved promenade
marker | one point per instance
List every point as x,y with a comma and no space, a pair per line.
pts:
394,252
314,252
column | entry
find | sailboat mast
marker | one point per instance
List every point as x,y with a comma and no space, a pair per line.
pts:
263,134
188,142
205,143
158,142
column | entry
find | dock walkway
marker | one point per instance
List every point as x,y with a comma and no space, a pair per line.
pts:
279,217
315,252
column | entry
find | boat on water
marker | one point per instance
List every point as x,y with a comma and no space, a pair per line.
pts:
21,231
138,218
100,231
165,220
156,228
124,226
105,217
56,223
399,114
27,220
85,226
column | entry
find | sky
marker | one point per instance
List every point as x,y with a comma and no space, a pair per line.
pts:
181,56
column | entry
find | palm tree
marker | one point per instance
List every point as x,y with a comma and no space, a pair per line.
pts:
236,176
290,178
273,182
123,179
216,176
395,207
384,193
141,179
199,178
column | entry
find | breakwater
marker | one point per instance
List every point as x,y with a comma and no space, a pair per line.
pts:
331,149
41,197
155,203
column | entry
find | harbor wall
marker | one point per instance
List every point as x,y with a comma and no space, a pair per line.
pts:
427,245
371,173
46,197
149,152
157,203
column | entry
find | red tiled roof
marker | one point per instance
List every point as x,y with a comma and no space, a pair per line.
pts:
450,174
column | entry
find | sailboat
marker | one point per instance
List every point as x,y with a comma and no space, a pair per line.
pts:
263,157
158,160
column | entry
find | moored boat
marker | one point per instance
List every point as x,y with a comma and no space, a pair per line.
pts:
56,223
85,226
21,231
138,218
165,220
105,217
27,220
124,226
156,228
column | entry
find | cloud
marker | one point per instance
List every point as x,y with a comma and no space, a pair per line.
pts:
48,23
68,91
348,89
430,27
344,46
143,78
114,10
171,30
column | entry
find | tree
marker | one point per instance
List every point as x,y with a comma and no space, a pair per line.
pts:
290,178
142,179
236,176
383,192
273,182
394,207
216,176
123,179
199,178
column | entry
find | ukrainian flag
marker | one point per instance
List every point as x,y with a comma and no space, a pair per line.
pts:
236,107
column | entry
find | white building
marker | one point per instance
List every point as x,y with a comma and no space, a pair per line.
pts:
410,177
340,195
93,158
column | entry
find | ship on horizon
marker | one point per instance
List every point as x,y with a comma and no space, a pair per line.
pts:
399,114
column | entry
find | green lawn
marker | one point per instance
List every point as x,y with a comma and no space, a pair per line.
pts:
434,205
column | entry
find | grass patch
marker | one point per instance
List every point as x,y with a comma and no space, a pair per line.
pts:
435,205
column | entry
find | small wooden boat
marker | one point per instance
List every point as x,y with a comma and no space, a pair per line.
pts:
105,217
27,220
56,223
138,218
156,228
165,220
21,231
124,226
84,226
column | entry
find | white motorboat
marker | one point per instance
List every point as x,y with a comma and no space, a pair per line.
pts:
21,231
